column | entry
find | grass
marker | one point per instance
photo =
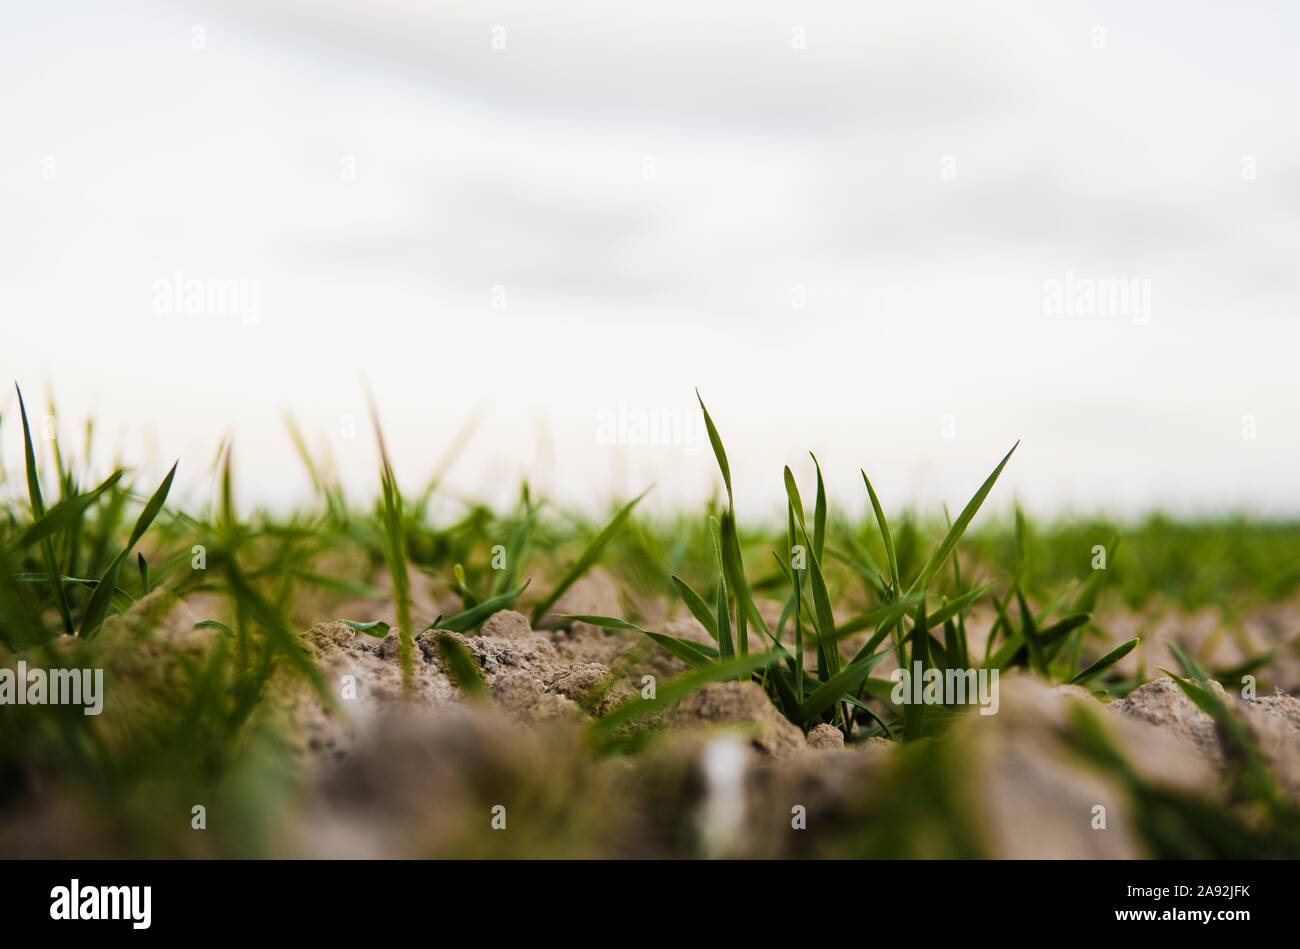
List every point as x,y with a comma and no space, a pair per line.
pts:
906,611
808,609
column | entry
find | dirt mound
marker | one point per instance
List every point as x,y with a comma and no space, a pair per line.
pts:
742,705
1272,721
390,772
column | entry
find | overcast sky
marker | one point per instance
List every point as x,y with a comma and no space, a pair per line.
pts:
902,236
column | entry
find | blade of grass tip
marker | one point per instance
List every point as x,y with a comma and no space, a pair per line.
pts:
152,508
214,624
819,512
304,454
746,609
590,554
63,515
395,553
455,448
699,609
379,629
716,441
828,650
824,618
100,599
143,565
955,532
468,597
228,520
693,654
884,534
38,511
891,554
1105,662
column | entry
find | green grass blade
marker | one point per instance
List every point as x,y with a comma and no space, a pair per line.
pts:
460,663
1086,602
395,554
824,617
29,453
914,712
468,619
100,599
1105,662
693,654
841,686
797,586
884,533
699,609
152,508
1029,630
379,629
1191,668
62,515
38,512
819,513
718,451
590,554
959,527
722,604
677,688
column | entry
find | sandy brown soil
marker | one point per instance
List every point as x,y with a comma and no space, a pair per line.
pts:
386,773
728,769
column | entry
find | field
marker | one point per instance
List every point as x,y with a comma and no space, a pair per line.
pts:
365,680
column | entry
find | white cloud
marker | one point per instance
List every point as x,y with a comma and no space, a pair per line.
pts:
776,172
